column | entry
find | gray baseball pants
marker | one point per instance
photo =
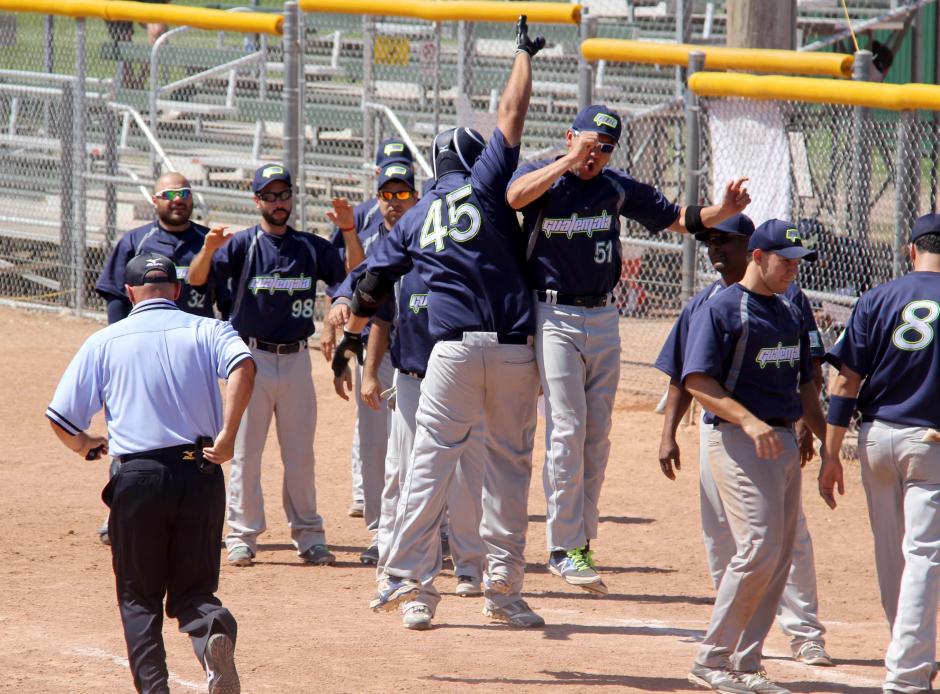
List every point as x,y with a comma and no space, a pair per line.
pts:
901,476
371,435
799,605
470,384
761,499
283,389
464,498
578,354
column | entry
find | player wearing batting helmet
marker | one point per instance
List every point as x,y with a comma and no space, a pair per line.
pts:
571,208
748,364
797,614
464,241
890,344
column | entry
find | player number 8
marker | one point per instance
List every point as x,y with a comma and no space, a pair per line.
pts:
916,325
302,308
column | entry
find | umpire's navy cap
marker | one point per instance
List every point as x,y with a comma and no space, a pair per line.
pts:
736,225
269,173
393,149
928,224
149,268
396,171
599,119
782,238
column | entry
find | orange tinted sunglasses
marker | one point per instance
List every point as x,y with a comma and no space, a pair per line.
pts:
388,195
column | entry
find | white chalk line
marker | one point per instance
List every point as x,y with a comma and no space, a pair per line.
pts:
99,654
694,628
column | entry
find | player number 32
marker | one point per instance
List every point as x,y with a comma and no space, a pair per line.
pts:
435,232
917,330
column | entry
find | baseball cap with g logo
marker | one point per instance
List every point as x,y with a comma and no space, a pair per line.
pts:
599,119
782,238
269,173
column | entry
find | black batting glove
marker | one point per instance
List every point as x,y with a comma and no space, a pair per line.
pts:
350,345
523,42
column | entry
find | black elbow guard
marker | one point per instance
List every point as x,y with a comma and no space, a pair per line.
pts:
693,219
371,291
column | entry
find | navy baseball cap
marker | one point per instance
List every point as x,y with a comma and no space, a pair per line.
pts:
269,173
396,171
149,268
782,238
928,224
736,225
393,149
599,119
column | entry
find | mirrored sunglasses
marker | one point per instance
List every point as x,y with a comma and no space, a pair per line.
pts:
172,194
271,197
602,147
396,195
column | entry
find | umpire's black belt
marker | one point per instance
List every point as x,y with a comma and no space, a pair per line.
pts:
501,338
276,347
583,300
173,454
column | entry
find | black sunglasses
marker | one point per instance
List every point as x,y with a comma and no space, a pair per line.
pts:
271,197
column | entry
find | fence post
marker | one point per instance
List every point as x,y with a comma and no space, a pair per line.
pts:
291,67
587,30
860,157
78,169
692,173
111,170
438,29
64,125
48,63
906,187
368,96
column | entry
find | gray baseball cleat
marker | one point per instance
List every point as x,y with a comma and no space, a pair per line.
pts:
515,614
318,555
717,679
417,617
392,593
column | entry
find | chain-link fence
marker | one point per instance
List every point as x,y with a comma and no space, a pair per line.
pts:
77,166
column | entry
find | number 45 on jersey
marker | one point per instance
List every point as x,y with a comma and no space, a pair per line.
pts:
436,232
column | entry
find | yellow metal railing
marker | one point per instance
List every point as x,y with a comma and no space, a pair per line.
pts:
893,97
453,10
720,58
180,15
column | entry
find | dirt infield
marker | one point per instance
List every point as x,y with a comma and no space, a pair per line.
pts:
308,629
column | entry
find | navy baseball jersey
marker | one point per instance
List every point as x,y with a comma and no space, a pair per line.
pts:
672,354
890,341
411,337
274,281
464,240
756,346
363,215
573,230
179,247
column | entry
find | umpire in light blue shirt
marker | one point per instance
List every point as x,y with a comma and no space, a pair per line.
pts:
155,373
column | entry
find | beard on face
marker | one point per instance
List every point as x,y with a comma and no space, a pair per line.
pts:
174,216
276,217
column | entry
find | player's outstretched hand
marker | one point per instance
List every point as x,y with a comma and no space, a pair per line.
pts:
342,382
830,478
766,441
669,457
342,214
217,237
523,42
350,345
736,197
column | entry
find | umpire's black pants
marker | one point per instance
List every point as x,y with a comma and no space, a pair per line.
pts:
165,530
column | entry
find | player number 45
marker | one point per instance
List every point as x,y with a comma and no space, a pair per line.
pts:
435,232
917,330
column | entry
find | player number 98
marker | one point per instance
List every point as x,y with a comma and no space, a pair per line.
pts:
302,308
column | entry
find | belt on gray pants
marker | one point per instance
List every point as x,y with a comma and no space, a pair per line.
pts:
550,296
275,347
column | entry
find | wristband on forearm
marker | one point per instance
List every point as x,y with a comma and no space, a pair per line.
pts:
840,411
693,219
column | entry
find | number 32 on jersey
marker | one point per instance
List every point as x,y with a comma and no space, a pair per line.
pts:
435,232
